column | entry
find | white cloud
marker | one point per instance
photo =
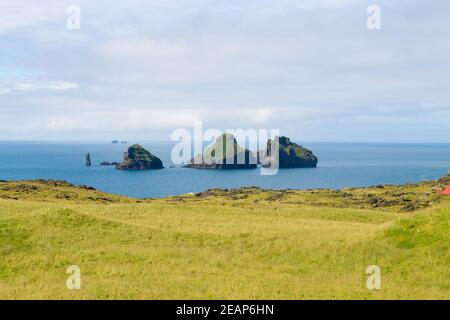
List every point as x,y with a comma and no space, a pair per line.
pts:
140,66
19,14
36,85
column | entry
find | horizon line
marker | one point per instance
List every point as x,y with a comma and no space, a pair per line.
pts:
169,141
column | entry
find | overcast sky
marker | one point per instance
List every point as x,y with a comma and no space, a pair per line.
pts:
140,69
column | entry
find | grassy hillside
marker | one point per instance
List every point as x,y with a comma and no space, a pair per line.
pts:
224,244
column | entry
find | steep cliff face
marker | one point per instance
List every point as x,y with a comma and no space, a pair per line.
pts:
137,158
290,155
225,153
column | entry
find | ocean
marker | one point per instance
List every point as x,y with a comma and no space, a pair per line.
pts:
340,165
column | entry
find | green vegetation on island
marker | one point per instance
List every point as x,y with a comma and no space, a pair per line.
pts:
137,158
290,155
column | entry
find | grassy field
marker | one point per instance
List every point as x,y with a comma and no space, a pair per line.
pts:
224,244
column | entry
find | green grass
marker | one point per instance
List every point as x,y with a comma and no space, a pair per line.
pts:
224,244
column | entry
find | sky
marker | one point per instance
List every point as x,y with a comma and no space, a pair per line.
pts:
138,70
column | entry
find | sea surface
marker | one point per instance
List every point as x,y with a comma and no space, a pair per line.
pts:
340,165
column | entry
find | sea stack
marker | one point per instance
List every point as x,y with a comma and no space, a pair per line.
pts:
137,158
291,155
225,153
88,160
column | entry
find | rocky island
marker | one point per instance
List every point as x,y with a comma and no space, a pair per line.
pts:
291,155
137,158
230,156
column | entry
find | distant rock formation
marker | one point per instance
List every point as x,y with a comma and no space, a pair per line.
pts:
105,163
137,158
88,160
229,156
291,155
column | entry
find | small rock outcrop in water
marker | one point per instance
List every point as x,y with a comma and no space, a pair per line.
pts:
105,163
291,155
137,158
88,160
229,156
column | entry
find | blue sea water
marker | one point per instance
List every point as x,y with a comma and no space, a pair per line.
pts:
340,165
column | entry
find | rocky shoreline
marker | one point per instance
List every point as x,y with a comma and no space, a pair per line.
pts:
398,198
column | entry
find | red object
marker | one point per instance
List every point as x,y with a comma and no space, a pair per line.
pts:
446,191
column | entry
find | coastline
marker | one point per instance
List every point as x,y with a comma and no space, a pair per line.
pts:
403,197
340,166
